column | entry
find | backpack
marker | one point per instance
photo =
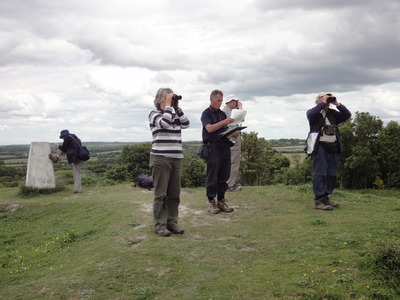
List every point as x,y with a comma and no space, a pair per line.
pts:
83,152
144,181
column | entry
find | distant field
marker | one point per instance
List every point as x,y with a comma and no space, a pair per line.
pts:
295,158
6,156
290,149
295,154
20,156
16,161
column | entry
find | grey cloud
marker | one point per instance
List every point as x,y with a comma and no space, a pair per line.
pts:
113,50
320,5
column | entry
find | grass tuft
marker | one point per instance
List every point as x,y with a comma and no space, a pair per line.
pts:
27,191
385,262
318,222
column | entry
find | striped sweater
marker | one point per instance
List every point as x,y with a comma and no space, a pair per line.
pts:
165,126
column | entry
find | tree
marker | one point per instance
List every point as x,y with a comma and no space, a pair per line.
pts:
348,142
362,167
388,154
259,162
366,128
358,165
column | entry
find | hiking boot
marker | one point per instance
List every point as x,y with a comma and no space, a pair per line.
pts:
318,204
328,202
53,158
213,208
224,207
176,230
162,231
235,188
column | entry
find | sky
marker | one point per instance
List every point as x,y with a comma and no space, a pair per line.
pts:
93,66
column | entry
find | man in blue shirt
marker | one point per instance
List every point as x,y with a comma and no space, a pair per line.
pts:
218,162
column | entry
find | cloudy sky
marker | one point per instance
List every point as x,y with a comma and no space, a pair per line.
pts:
94,66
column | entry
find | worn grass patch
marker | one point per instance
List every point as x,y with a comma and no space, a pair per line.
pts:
100,245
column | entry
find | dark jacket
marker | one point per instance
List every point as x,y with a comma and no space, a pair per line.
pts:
335,117
212,116
70,147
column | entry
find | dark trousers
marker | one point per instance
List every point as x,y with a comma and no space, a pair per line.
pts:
324,172
218,170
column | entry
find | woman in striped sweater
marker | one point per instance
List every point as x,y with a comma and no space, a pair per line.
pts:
166,160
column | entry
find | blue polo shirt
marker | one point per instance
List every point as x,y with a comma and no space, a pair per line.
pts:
212,116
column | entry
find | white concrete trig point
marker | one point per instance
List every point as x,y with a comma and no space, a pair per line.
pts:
40,172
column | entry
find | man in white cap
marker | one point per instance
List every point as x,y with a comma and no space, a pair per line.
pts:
324,119
233,103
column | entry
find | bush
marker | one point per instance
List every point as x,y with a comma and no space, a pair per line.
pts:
135,160
119,173
194,173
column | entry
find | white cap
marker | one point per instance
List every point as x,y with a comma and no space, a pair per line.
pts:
322,94
229,98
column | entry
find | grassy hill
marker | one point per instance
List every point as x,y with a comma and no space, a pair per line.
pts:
100,245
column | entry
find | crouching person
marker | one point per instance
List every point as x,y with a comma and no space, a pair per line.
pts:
70,148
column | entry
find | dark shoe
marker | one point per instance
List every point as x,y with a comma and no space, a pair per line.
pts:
318,204
213,208
224,207
162,231
328,201
176,230
53,158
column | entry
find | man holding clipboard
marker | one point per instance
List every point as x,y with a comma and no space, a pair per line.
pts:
218,162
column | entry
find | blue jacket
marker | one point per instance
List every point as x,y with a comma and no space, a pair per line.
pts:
335,117
70,147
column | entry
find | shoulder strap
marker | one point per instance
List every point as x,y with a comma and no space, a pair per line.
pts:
323,121
75,140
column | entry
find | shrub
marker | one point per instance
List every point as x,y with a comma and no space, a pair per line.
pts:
119,173
194,173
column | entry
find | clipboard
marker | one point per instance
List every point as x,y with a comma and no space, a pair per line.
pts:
228,133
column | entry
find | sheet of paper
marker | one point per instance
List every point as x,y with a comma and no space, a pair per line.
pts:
238,116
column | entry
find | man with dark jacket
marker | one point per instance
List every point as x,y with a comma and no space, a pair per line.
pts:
70,148
325,118
218,162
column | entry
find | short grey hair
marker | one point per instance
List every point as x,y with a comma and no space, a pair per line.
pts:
214,94
160,94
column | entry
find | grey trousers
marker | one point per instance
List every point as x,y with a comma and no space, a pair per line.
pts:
235,161
166,173
76,173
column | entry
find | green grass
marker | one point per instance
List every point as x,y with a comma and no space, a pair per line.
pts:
100,245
